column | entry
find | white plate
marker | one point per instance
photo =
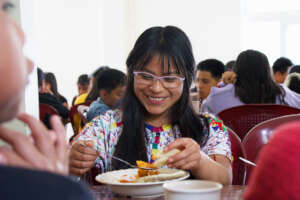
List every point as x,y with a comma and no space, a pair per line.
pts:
112,180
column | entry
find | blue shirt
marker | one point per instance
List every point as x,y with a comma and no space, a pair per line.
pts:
97,108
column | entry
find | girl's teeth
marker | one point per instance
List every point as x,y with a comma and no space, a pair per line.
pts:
156,99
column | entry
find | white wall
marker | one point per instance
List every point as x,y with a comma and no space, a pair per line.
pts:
72,37
213,26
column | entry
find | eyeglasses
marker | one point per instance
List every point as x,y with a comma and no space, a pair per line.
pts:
146,78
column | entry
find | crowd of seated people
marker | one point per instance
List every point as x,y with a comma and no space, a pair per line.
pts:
253,84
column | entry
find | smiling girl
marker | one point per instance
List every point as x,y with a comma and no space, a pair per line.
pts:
156,115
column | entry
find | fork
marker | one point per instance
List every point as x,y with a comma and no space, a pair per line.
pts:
247,161
121,160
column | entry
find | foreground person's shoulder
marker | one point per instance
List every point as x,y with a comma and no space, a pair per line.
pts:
19,183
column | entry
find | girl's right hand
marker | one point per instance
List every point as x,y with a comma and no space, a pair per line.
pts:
82,157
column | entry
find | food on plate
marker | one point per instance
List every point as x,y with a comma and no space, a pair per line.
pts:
143,172
130,176
164,174
161,158
157,174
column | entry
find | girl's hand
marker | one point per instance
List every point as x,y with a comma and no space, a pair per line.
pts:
82,157
190,156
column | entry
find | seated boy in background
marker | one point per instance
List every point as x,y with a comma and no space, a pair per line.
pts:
44,150
209,74
280,69
111,85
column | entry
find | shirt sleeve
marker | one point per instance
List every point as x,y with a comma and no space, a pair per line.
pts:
218,141
98,131
96,110
207,105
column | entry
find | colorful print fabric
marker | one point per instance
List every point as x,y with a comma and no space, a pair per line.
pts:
106,129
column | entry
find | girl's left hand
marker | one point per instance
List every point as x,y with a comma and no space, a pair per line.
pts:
190,156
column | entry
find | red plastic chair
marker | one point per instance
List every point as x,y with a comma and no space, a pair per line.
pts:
82,111
242,118
237,150
45,113
258,136
45,110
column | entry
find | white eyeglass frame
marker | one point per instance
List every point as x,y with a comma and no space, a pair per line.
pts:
181,79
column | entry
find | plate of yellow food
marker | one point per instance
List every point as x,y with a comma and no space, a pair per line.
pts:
141,183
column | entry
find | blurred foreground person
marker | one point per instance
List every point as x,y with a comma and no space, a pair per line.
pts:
44,150
277,173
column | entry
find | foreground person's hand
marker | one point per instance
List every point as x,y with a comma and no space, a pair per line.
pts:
82,157
44,149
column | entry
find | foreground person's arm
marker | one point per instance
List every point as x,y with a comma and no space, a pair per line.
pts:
44,149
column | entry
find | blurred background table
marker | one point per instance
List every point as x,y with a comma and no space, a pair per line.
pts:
102,192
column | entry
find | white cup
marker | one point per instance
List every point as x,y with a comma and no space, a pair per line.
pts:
192,190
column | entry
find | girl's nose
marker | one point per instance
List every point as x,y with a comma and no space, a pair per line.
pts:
156,85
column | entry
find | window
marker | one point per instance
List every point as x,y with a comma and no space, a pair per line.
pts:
272,26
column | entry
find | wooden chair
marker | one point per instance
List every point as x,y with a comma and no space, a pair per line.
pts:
45,112
237,150
242,118
258,136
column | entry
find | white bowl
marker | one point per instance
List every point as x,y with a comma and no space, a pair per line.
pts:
193,190
149,189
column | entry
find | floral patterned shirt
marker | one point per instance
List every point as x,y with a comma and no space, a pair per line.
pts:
105,130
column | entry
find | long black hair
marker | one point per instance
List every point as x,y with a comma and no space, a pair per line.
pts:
254,83
173,46
51,79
